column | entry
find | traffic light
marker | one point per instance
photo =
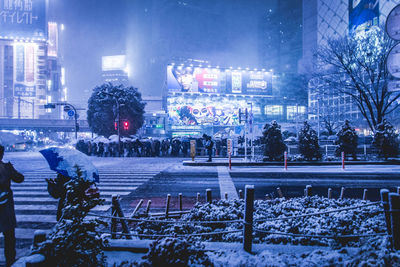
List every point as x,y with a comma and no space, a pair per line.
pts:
126,125
115,125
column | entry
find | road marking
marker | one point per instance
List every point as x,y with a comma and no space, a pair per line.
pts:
226,184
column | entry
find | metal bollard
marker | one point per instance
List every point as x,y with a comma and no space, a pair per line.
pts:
394,202
180,202
248,218
209,196
308,190
342,192
385,204
329,193
167,205
365,194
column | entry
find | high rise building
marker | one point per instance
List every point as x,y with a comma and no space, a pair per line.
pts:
325,19
30,70
281,36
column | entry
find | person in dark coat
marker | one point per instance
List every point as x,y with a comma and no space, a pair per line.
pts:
209,146
56,189
8,221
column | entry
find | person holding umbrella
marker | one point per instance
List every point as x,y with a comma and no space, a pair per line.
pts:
56,189
66,162
7,213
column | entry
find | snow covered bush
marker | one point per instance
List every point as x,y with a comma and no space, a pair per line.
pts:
365,220
347,140
172,252
308,142
385,140
73,240
273,140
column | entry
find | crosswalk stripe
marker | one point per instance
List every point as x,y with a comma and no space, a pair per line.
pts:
36,218
36,209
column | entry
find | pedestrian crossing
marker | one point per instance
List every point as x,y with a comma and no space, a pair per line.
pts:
36,209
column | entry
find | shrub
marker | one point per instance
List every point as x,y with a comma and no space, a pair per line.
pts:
272,138
347,140
308,142
74,241
385,140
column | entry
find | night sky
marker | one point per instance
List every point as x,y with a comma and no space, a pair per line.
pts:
94,28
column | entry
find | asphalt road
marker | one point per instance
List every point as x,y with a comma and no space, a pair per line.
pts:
154,178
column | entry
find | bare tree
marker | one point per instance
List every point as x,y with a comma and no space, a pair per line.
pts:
355,66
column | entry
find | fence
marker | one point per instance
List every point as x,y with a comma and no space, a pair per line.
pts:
390,203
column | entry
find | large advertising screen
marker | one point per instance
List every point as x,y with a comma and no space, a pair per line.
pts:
25,69
192,110
23,19
188,79
363,14
110,63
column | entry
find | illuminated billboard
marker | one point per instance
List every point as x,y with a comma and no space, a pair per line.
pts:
188,79
110,63
52,48
25,69
23,19
217,111
363,14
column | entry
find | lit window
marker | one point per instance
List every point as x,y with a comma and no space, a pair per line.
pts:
273,110
292,111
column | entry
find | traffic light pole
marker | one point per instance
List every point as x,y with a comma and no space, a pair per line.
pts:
52,106
119,126
118,119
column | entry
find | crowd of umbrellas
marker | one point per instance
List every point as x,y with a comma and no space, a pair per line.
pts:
146,147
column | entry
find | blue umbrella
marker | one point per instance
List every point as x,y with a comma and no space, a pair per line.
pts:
65,161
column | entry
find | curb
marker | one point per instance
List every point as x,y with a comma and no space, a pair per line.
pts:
300,163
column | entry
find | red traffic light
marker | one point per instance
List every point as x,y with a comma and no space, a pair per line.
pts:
126,125
116,125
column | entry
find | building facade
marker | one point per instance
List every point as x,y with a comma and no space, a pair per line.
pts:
325,19
30,68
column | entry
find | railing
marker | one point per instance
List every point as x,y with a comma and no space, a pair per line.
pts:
390,203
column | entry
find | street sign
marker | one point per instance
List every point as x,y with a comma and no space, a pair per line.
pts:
393,23
67,108
393,61
47,106
229,146
71,113
192,149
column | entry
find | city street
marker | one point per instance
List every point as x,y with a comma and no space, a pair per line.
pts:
153,178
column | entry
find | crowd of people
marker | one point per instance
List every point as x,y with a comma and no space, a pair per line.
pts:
153,147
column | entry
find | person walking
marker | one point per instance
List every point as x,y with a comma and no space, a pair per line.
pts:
8,221
209,146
